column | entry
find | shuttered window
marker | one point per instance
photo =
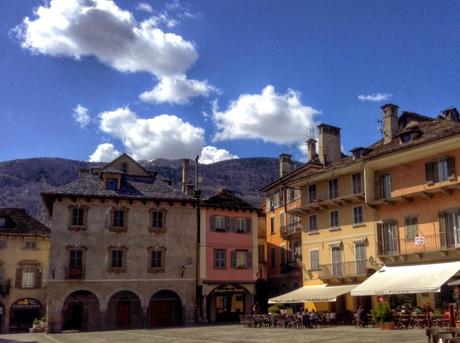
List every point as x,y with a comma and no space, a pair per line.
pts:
333,188
118,218
440,170
312,194
220,259
312,223
357,215
241,259
314,259
356,183
78,216
334,217
411,228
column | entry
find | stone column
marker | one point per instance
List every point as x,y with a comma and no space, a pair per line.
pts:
189,314
145,315
54,317
204,309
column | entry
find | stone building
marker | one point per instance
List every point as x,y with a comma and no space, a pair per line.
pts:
24,248
123,250
228,257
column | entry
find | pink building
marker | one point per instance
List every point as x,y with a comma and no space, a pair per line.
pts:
228,257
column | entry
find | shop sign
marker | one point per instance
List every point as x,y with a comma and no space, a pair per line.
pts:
419,240
27,303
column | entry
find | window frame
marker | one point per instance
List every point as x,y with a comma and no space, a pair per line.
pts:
310,251
355,223
162,267
354,185
75,226
408,237
315,230
220,262
116,228
337,219
154,227
123,268
312,193
333,185
109,182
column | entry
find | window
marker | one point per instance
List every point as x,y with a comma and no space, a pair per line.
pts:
388,238
357,215
118,218
360,250
282,221
117,259
411,227
241,259
78,216
30,245
272,225
333,188
111,184
356,183
75,270
157,259
336,260
334,216
314,259
273,258
449,229
281,200
242,225
312,223
312,194
2,221
385,186
440,170
124,167
220,260
219,223
296,252
28,278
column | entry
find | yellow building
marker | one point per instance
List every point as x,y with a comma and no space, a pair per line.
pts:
24,249
394,202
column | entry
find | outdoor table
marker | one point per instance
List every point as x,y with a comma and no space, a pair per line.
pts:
402,321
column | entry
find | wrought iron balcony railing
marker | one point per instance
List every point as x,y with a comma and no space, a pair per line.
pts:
346,269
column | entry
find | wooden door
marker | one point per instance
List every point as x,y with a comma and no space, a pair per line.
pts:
161,314
123,314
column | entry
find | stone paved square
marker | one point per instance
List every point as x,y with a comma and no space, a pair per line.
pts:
229,333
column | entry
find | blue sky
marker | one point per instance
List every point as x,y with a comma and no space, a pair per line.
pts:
243,78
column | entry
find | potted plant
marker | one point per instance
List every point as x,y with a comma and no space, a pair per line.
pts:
382,315
276,309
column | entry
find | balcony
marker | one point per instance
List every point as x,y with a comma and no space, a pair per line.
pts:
290,229
430,243
291,265
74,273
347,270
323,202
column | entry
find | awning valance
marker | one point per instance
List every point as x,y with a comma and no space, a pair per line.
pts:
422,278
316,293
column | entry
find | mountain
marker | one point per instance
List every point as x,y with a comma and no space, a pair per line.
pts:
21,181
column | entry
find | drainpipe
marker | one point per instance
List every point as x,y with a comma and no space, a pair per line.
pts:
197,195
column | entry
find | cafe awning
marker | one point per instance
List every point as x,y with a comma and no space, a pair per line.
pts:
316,293
421,278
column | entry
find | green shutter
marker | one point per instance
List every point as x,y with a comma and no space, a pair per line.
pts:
213,223
234,261
228,224
248,225
233,224
429,172
249,259
442,230
380,242
18,281
451,167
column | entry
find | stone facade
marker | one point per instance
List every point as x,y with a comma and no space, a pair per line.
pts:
140,272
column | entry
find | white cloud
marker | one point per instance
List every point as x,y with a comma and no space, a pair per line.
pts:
375,97
211,154
270,116
79,28
81,116
105,152
176,90
143,6
165,135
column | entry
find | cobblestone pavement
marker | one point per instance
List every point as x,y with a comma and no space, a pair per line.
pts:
229,333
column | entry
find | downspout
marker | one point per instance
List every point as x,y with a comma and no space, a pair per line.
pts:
197,195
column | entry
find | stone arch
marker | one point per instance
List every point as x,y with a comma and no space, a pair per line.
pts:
165,309
23,312
124,311
81,311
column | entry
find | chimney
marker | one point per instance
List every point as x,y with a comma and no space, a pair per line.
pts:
285,164
185,175
197,184
311,149
390,122
329,143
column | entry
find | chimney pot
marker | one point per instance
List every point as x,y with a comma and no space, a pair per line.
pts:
285,161
311,149
329,144
390,122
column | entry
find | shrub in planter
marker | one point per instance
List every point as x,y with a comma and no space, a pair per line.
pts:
382,314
